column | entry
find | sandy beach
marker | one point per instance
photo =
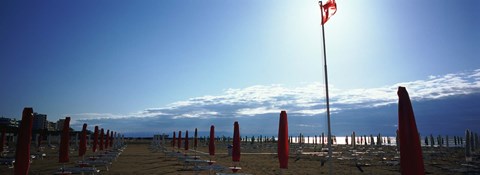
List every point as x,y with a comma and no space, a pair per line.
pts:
141,157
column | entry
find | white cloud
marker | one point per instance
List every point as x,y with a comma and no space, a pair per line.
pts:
257,111
197,114
309,112
306,100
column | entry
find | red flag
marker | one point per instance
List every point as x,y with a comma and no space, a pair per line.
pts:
328,10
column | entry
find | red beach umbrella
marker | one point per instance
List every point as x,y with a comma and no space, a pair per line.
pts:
64,142
186,140
2,140
353,139
112,134
101,140
411,161
173,140
283,146
82,149
236,143
107,139
39,140
22,153
211,144
195,140
179,140
468,149
95,139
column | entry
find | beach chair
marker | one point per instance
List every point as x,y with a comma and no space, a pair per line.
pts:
82,170
95,163
193,162
7,161
210,168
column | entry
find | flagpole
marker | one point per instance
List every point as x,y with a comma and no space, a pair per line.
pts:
329,137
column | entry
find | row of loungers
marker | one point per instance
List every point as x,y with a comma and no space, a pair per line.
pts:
194,163
93,164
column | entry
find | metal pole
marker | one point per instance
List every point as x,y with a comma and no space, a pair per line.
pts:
329,136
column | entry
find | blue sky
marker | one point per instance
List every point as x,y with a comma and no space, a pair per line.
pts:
134,60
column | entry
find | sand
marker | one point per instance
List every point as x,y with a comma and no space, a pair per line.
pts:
140,157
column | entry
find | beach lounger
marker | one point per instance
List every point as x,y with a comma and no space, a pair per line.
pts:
95,163
173,154
83,170
7,161
193,162
216,168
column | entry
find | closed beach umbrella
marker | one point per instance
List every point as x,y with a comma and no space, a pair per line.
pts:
2,139
211,143
468,150
477,145
353,139
173,140
411,160
95,139
83,141
179,140
111,139
64,142
195,141
432,141
107,139
446,141
236,143
323,139
283,146
39,141
426,141
22,151
455,140
472,141
101,139
186,140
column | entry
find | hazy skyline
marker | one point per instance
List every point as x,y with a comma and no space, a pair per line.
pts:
135,60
